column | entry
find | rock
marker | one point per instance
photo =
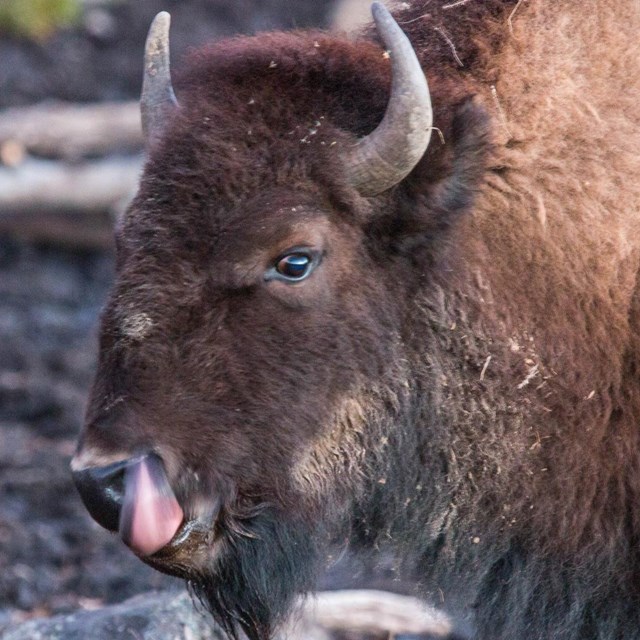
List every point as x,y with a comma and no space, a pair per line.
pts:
151,616
173,615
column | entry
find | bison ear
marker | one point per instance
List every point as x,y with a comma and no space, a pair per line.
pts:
444,185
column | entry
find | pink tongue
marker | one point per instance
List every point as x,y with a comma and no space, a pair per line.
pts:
151,514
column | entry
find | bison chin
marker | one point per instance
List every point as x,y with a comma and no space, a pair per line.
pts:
251,585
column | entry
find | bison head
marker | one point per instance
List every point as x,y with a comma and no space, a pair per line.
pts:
255,350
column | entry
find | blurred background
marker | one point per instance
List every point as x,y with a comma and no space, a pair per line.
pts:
70,149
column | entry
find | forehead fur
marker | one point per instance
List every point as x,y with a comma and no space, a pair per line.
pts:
263,115
282,79
276,109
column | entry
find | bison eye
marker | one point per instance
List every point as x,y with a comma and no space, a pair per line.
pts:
294,266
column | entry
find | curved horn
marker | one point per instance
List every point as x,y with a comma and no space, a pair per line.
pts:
387,155
157,99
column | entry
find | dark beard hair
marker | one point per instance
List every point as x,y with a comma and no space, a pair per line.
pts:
261,567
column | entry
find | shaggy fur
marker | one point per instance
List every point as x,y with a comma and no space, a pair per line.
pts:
457,381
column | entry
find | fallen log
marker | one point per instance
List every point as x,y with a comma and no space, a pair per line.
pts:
372,612
98,185
74,204
70,131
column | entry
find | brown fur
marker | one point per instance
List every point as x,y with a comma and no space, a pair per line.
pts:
458,381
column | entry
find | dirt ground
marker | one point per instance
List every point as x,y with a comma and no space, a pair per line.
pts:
53,558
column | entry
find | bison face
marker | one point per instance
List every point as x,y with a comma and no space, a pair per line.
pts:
253,365
237,373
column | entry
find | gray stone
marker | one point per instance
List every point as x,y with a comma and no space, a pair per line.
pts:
169,615
151,616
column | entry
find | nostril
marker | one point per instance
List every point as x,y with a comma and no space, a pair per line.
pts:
102,491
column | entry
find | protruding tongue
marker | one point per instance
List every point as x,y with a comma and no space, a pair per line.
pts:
150,513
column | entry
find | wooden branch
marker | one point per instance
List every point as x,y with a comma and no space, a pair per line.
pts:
99,185
68,200
73,204
369,611
70,131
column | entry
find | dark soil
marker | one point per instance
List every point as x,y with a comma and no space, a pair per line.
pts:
53,558
101,59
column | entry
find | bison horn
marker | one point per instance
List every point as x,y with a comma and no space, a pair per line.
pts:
387,155
157,99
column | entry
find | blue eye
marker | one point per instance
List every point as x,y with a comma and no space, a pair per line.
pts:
294,266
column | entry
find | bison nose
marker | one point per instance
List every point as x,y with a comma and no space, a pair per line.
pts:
133,497
102,491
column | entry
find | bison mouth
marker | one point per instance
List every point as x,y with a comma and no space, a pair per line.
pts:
185,537
189,541
245,559
133,497
247,567
150,515
247,562
201,539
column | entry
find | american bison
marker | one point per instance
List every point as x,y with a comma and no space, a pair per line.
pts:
353,309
